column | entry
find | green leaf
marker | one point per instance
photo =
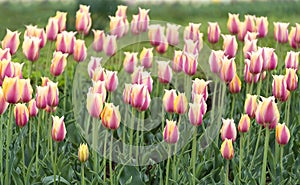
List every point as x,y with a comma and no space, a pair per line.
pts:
130,175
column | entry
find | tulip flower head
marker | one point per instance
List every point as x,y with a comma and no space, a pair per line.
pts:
146,57
248,76
244,123
111,116
99,87
189,66
269,58
26,90
235,85
163,46
11,40
83,153
58,129
3,102
171,132
196,114
5,54
178,60
111,81
228,130
61,20
58,63
281,32
52,94
256,62
83,19
250,105
94,63
117,26
291,79
230,45
292,60
191,32
52,29
164,72
110,45
292,38
139,97
267,113
98,42
228,69
156,34
227,150
282,134
11,89
172,34
80,51
262,26
213,32
199,86
94,103
21,114
130,62
233,23
65,42
180,104
32,108
31,48
215,60
34,31
41,96
279,88
143,20
99,74
168,100
249,47
250,23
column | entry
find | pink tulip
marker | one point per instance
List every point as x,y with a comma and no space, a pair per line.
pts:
180,103
242,31
11,89
168,100
228,69
235,85
26,90
94,63
11,41
58,63
146,57
94,104
279,88
215,60
249,47
191,32
191,47
267,113
139,97
143,20
7,69
58,129
52,94
195,114
34,31
244,123
110,45
171,133
281,32
5,54
163,46
292,38
178,60
291,79
121,11
292,60
164,72
65,42
248,76
134,25
256,62
250,105
31,48
117,26
110,116
98,42
21,115
213,32
130,62
127,93
83,19
41,96
17,69
80,51
99,74
269,58
172,34
262,26
61,20
52,29
250,23
230,45
156,34
282,134
3,103
111,82
227,149
199,86
99,87
189,66
233,23
32,108
228,130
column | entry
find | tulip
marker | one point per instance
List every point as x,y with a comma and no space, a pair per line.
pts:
58,63
111,116
250,36
65,42
164,72
227,150
41,96
233,23
297,33
7,69
196,114
163,46
11,41
17,69
26,90
292,38
250,105
291,79
94,103
198,99
52,94
111,82
156,34
34,31
249,47
139,97
279,88
50,109
267,113
282,134
180,103
256,62
213,32
83,20
136,77
130,62
228,69
230,45
269,58
117,26
146,57
143,20
11,89
110,45
134,25
99,87
244,123
3,102
228,130
250,23
168,100
191,32
99,37
249,77
80,51
172,34
190,64
292,60
45,80
178,60
83,153
5,54
52,29
281,32
191,47
199,86
146,79
94,63
171,133
32,108
31,48
242,31
262,26
21,114
99,74
127,93
121,11
58,129
235,85
61,20
215,60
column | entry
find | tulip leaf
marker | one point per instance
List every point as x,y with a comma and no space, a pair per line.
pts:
50,180
130,175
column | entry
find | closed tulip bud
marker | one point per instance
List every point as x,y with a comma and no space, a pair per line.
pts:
242,31
292,60
12,90
190,64
121,11
262,26
244,123
134,25
110,116
191,32
199,86
58,63
21,114
139,97
171,133
3,102
191,47
5,54
26,90
34,31
99,87
136,76
83,153
297,33
52,94
235,85
143,20
65,42
52,29
198,99
99,74
250,36
163,46
267,113
249,47
117,26
11,41
180,103
146,79
172,34
250,105
279,88
248,76
31,48
147,100
99,37
156,34
45,80
94,63
41,96
94,103
7,69
233,23
196,114
227,150
292,38
110,45
80,51
228,69
228,130
127,93
61,20
213,32
178,60
281,32
291,79
130,62
250,23
111,82
164,72
282,134
215,60
83,19
32,108
18,69
230,45
146,57
168,100
269,58
58,129
256,62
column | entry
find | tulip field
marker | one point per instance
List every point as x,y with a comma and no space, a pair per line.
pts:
100,92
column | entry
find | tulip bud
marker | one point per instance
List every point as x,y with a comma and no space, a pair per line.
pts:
250,105
262,26
180,104
17,69
199,86
249,47
163,46
127,93
297,33
171,133
61,20
282,134
121,11
31,48
5,54
52,94
11,90
117,26
172,34
196,114
190,64
32,108
139,97
292,60
21,114
233,23
230,45
168,100
134,25
191,32
11,41
58,129
94,103
98,42
228,69
7,69
143,20
279,88
267,113
227,150
130,62
178,60
80,51
26,90
65,42
45,80
83,153
58,63
34,31
99,87
250,36
146,57
292,38
110,45
291,79
269,58
111,82
248,76
256,62
213,32
41,96
244,123
191,47
281,32
242,31
3,103
250,23
215,60
199,99
110,116
94,63
156,34
146,79
164,72
235,85
228,129
83,19
52,29
99,74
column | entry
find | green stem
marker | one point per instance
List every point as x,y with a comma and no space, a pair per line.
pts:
162,117
249,139
30,69
124,127
104,156
281,163
288,104
268,81
131,132
241,157
174,176
168,165
95,144
48,55
65,89
256,147
232,106
142,129
137,138
8,136
110,158
227,172
82,174
194,156
29,134
23,154
55,162
251,87
37,146
264,167
259,86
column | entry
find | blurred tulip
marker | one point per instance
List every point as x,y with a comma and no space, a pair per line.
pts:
134,25
121,11
18,69
26,90
58,129
146,57
213,32
7,68
250,23
269,58
111,81
5,54
262,26
191,47
12,89
45,80
41,96
139,97
80,51
215,60
198,99
168,100
172,34
83,19
99,37
50,109
199,86
292,38
116,26
110,116
256,62
130,62
291,79
180,103
230,45
297,33
94,63
281,32
52,29
282,134
178,60
32,108
190,64
250,36
244,123
235,85
164,72
143,20
61,20
249,47
228,130
65,42
3,102
233,23
279,88
127,93
110,45
191,32
156,34
52,94
250,105
267,113
227,150
99,87
94,103
83,153
171,133
163,46
11,40
228,69
146,79
21,114
249,77
31,48
292,60
34,31
58,63
242,31
195,114
136,76
99,74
